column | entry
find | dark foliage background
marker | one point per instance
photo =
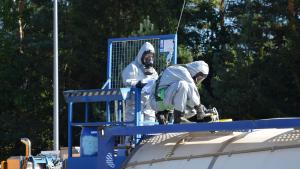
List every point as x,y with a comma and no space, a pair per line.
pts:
252,48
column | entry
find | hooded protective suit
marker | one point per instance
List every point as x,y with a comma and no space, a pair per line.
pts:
180,90
134,73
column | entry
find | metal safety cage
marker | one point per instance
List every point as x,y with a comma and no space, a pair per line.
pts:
122,51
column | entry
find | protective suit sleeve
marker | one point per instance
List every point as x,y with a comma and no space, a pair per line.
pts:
129,75
194,97
148,87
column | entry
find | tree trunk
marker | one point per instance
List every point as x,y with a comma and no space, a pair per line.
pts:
291,7
222,9
291,14
21,7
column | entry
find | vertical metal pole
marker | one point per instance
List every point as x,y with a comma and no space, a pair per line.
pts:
109,50
86,112
116,110
175,50
120,110
55,79
137,112
137,101
70,117
109,61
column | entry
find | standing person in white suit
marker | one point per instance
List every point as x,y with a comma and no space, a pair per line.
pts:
140,73
176,88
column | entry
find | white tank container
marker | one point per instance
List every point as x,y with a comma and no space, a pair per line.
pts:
259,149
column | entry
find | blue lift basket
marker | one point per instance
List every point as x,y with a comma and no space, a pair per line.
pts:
111,152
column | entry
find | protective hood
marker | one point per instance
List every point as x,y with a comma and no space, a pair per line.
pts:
196,67
146,47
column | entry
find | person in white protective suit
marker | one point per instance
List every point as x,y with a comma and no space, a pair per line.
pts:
141,74
176,88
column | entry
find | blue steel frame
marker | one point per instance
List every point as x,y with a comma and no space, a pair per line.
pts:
99,95
108,157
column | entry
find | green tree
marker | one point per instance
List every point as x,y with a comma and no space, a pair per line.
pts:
252,48
146,28
26,89
249,48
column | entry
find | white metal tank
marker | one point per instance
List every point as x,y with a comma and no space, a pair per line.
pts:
259,149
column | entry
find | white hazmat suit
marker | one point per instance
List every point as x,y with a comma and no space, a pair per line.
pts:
131,75
179,88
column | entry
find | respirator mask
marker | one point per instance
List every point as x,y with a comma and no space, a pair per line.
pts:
199,77
148,62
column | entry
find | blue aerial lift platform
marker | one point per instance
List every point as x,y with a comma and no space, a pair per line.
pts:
110,153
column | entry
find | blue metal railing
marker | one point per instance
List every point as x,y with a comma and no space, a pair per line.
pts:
99,95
